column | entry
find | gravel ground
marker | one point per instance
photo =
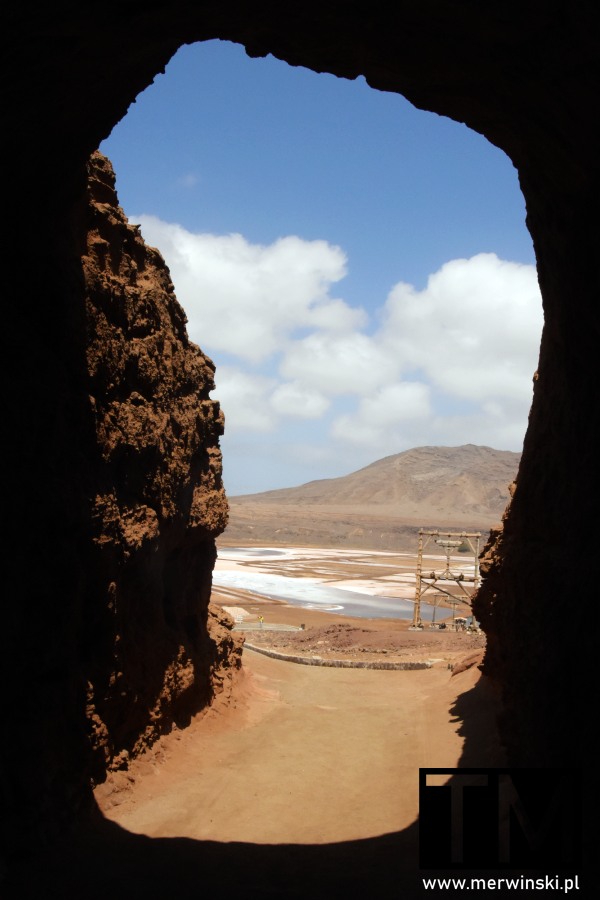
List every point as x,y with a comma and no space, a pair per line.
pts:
347,641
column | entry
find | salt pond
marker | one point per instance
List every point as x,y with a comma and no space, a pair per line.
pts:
310,593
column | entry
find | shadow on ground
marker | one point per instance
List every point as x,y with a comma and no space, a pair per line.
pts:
107,861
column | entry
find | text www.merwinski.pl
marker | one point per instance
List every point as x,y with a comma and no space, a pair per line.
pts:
518,883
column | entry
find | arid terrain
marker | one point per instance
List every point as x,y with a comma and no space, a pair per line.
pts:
344,630
383,644
383,505
321,754
312,758
334,710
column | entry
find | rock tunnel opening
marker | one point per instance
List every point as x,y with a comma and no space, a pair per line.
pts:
528,84
177,245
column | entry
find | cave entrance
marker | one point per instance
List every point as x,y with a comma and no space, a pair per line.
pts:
314,384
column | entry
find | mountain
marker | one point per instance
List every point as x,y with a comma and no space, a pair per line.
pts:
454,488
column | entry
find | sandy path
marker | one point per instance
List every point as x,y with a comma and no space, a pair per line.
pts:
306,787
308,755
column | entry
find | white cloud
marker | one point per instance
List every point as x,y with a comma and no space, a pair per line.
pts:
474,331
254,402
351,363
473,336
379,419
450,364
248,299
244,399
294,399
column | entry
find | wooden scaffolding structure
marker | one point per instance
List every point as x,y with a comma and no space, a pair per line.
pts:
431,579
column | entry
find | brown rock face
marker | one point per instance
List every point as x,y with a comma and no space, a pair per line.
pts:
112,505
120,586
158,500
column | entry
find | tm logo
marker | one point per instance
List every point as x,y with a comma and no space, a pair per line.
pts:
500,818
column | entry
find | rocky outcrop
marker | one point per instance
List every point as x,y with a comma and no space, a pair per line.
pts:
88,495
156,494
117,592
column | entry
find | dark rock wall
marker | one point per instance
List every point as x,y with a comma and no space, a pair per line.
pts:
156,495
115,516
523,74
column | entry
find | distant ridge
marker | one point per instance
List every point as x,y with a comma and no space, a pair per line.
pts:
469,480
465,487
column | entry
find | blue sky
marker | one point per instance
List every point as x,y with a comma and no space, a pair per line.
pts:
359,270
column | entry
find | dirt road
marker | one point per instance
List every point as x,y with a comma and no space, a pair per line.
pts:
305,787
307,755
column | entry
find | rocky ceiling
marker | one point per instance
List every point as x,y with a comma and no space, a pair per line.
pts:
522,74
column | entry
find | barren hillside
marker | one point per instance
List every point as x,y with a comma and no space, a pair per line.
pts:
383,504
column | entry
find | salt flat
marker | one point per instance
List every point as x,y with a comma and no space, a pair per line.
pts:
369,584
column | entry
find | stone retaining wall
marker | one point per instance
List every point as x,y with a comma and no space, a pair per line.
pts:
338,663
